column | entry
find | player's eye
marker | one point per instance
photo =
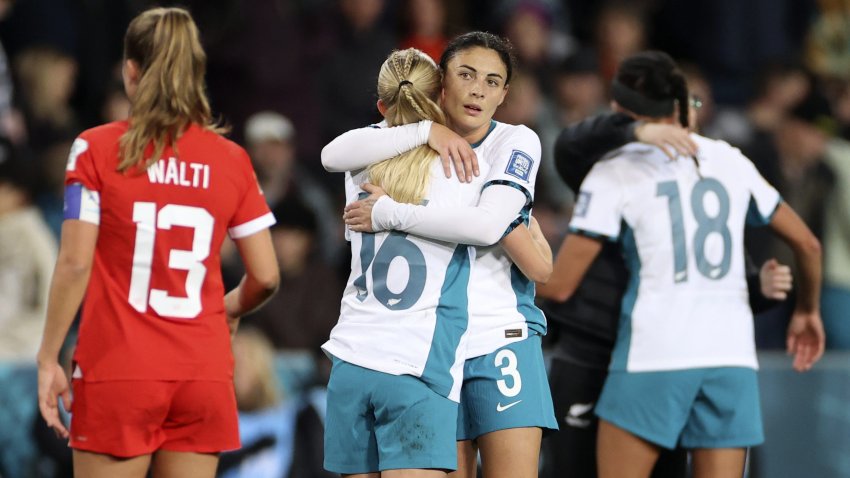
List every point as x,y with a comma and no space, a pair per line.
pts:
465,75
493,83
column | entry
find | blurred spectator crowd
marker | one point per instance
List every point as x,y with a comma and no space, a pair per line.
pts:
773,77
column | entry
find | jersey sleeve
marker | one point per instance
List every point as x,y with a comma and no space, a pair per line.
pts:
360,148
598,210
764,198
82,184
480,225
253,214
515,163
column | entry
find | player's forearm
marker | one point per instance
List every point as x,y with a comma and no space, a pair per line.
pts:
248,296
67,289
360,148
480,225
808,257
576,254
531,255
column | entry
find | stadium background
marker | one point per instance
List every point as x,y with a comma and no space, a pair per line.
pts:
773,77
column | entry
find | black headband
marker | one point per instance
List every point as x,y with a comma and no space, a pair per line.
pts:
639,104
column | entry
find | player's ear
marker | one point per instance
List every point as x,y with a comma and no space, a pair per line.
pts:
382,108
130,73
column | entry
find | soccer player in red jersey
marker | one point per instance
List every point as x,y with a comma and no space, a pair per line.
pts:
147,205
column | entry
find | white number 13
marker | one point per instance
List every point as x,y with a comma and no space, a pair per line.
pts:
147,222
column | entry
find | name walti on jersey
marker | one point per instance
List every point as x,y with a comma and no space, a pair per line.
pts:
179,173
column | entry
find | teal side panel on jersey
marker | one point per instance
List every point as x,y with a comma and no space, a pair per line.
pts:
754,217
524,291
620,357
452,322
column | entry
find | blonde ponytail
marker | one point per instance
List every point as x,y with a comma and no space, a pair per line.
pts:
171,94
408,85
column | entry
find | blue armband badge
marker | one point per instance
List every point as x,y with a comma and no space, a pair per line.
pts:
520,165
81,203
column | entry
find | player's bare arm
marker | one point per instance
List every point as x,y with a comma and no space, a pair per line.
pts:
534,262
806,338
574,258
70,279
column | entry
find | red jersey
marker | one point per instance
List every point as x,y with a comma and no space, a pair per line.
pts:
154,307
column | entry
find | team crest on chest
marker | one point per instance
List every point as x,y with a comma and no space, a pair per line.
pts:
520,165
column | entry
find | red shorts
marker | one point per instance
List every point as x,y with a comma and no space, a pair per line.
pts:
132,418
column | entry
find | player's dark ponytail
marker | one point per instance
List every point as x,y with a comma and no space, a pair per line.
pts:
650,84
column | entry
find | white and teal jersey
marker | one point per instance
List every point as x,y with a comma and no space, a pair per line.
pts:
501,298
404,308
681,228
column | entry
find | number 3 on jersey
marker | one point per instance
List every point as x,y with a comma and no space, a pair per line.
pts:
506,360
147,222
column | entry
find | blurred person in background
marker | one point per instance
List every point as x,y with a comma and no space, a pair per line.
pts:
778,88
347,74
271,143
301,315
424,27
620,32
528,26
153,374
579,89
27,255
11,121
281,436
828,41
116,105
47,79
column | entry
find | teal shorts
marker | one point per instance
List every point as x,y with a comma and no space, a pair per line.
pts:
377,421
505,389
696,408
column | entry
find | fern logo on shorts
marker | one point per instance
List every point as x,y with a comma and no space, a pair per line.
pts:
579,415
520,165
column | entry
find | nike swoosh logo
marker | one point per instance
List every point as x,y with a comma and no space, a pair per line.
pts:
500,408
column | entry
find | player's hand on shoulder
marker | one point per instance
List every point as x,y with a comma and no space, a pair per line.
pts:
806,339
358,215
52,383
776,280
674,140
454,152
